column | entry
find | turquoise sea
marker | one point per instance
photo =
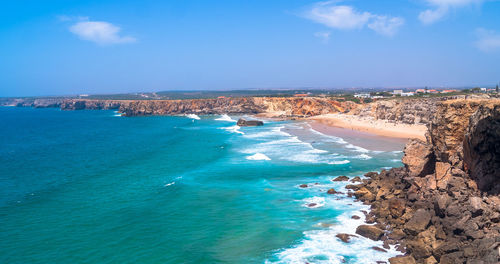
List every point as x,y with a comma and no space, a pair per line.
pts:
94,187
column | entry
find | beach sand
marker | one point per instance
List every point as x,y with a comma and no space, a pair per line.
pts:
368,125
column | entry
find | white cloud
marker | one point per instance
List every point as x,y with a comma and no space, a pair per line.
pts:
339,17
440,8
488,40
345,17
100,32
387,26
324,36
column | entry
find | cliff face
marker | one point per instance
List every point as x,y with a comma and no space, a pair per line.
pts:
444,205
481,148
279,107
407,111
90,104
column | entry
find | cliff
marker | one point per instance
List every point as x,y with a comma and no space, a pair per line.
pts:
276,106
444,205
406,111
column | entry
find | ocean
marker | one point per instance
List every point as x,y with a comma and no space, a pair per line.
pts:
94,187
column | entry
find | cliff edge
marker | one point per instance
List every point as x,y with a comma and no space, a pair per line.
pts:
444,205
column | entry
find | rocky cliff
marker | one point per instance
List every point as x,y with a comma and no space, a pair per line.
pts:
407,111
444,205
279,107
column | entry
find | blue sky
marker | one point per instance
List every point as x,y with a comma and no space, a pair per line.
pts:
74,47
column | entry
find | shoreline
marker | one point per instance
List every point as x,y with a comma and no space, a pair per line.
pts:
371,126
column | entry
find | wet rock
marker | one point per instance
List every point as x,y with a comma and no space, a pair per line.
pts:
244,123
312,205
303,186
355,217
353,187
345,237
332,191
356,179
379,249
341,178
370,232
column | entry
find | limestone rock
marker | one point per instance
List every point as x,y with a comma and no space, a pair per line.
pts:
418,158
418,222
243,122
402,260
369,231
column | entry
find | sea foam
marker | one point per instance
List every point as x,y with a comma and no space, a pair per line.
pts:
226,118
193,116
258,156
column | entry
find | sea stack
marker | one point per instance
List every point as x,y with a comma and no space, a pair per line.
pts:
244,122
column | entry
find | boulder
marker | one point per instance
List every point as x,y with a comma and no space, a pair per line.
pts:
369,231
365,194
341,178
418,158
356,179
303,186
418,222
332,191
443,174
397,207
244,122
402,260
379,249
476,205
345,237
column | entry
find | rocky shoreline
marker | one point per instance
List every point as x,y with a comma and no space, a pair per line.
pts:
284,107
443,206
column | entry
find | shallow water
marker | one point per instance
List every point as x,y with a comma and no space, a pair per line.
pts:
93,187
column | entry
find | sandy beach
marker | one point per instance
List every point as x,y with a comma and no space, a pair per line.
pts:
370,125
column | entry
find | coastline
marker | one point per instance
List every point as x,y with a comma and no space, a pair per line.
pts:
372,126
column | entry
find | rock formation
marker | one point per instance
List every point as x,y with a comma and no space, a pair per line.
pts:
443,206
244,122
279,107
407,111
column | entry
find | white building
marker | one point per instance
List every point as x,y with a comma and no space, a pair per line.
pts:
408,94
363,95
397,92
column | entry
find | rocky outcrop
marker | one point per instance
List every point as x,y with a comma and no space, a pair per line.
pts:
244,122
443,206
481,147
279,107
91,104
406,111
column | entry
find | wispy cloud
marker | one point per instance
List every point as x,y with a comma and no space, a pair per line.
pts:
100,32
488,40
387,26
344,17
324,36
441,8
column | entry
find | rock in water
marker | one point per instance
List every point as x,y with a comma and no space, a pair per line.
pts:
244,122
341,178
369,231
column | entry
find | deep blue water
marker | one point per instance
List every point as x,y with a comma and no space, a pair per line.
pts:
92,187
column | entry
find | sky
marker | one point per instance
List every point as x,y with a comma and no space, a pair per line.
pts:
70,47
